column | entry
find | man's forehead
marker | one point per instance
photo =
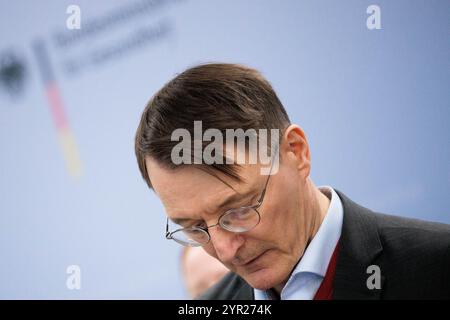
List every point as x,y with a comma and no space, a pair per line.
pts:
193,175
187,180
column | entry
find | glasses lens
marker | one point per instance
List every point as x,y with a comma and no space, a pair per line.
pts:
240,220
191,237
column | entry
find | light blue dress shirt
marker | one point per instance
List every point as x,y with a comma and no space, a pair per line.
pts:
307,276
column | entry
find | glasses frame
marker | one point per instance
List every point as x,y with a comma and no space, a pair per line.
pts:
205,229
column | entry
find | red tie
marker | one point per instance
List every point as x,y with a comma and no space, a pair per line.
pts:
325,291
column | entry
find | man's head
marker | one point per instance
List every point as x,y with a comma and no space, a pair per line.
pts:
226,96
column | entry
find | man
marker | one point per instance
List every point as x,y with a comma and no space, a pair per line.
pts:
200,270
279,235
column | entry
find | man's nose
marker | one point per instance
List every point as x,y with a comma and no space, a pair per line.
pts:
226,243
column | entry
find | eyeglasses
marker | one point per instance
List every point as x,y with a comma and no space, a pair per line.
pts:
237,220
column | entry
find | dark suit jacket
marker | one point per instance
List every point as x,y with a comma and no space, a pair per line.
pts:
413,256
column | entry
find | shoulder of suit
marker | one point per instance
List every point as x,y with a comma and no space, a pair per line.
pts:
225,289
397,230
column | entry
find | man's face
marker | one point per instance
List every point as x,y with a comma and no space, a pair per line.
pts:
264,256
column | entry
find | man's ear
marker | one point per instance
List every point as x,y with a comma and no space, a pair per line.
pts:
297,149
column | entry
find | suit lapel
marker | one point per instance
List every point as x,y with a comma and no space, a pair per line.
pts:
359,246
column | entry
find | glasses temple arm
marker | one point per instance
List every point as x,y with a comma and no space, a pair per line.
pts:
168,235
